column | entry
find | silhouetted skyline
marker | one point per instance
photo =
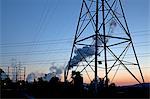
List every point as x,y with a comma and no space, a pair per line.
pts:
40,32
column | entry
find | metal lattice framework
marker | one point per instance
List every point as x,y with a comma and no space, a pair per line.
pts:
102,42
15,73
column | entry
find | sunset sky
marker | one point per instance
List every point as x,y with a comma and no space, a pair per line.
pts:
39,33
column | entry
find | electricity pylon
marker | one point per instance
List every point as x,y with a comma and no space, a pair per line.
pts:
103,43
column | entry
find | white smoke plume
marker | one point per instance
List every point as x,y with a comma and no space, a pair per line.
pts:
89,51
34,76
86,51
53,71
48,76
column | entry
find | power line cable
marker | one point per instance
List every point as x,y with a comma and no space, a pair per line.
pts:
59,50
59,40
51,43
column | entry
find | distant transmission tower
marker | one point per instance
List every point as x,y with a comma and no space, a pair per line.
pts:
102,44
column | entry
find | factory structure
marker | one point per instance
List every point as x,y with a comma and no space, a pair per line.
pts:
15,72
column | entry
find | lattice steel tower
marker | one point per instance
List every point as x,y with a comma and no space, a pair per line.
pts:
102,45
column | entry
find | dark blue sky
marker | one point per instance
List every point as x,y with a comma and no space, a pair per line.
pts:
41,31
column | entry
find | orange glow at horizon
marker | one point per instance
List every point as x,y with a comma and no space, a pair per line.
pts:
123,79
